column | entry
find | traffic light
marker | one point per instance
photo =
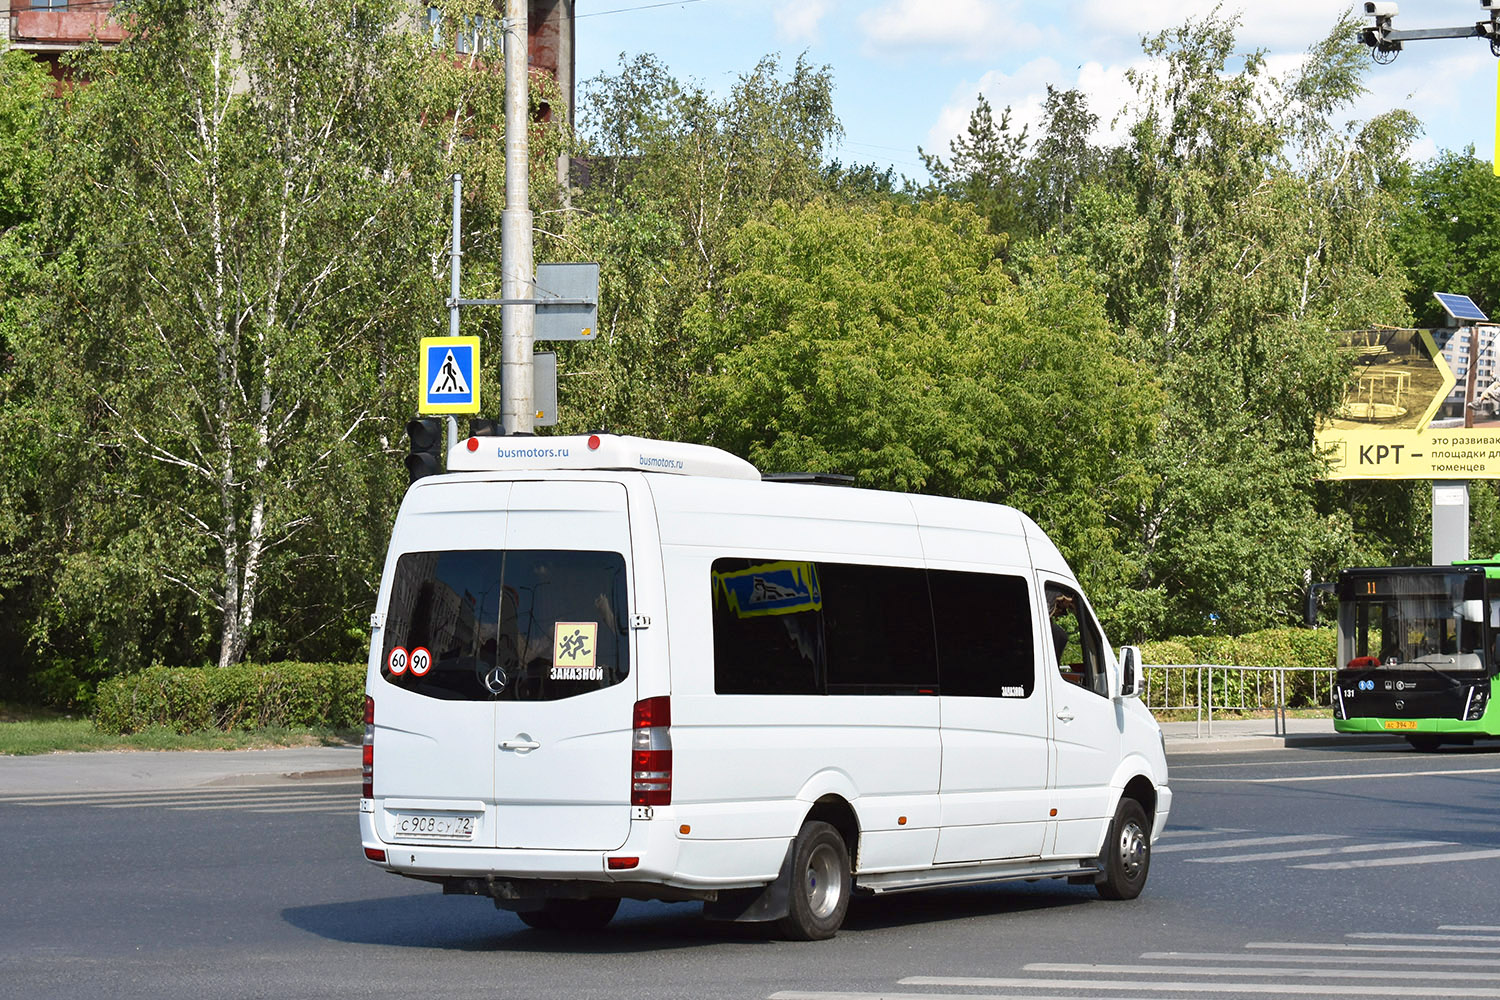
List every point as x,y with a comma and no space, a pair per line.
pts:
425,435
484,427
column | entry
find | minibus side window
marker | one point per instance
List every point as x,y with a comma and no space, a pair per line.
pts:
768,627
984,634
877,625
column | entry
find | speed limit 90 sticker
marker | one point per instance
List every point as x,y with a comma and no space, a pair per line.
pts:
421,661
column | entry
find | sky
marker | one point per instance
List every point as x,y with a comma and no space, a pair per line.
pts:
907,73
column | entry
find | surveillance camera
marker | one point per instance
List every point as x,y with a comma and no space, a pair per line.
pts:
1389,9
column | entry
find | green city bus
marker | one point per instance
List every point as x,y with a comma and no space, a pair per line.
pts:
1418,651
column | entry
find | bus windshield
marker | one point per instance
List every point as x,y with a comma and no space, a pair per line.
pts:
1402,620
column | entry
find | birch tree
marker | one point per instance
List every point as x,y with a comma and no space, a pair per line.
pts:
251,188
1244,230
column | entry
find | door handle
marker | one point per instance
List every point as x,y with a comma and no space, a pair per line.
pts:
519,745
1065,714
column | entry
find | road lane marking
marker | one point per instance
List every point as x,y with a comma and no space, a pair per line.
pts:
1447,772
1393,936
1206,986
1423,859
1362,957
1218,831
1441,948
1314,852
1300,838
1469,927
1251,970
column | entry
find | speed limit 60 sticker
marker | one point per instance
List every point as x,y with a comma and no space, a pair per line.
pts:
397,661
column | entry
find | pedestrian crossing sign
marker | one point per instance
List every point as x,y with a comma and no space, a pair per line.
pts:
449,376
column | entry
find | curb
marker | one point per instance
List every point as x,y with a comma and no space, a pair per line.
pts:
1230,744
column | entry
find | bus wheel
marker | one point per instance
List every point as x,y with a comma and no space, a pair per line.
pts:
1127,853
1426,744
821,884
571,914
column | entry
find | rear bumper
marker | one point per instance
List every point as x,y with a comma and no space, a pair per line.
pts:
663,858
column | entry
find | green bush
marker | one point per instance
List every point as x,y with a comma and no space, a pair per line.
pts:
247,696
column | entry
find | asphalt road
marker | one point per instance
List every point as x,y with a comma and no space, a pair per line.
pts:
1312,871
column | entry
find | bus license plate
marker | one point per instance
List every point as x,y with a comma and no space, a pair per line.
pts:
431,826
1401,724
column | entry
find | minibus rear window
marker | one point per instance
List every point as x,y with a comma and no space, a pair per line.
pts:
519,625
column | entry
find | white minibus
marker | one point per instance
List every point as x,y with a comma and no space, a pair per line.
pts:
608,668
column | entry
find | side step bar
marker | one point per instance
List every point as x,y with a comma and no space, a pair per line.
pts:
998,871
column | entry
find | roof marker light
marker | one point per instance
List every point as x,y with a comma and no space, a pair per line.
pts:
472,444
593,442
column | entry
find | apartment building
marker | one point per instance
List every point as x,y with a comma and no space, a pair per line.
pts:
49,29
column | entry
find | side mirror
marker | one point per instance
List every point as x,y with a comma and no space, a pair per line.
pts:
1132,677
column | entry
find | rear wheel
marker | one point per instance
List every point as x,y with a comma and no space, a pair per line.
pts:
1127,853
821,883
571,914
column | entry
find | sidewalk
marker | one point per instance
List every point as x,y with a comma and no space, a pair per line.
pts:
1258,734
168,769
112,771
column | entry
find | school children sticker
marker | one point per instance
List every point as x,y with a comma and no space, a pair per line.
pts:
574,648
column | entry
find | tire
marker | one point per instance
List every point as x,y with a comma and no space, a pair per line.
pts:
571,914
821,884
1424,744
1127,853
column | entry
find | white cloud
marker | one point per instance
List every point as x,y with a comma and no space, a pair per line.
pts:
799,21
954,28
1269,24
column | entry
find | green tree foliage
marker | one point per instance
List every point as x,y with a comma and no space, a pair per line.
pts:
247,210
675,171
32,522
985,169
1063,161
1448,234
1243,231
889,342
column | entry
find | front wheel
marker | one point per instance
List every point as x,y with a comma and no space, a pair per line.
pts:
821,883
1424,744
1127,853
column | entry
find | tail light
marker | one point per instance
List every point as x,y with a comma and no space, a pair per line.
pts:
367,762
651,753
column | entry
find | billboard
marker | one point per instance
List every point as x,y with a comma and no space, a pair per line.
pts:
1405,415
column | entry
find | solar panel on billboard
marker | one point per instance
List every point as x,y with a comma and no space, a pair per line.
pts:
1460,306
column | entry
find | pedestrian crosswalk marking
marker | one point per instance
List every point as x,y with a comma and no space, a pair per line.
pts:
1172,974
1419,859
1246,842
1214,956
319,797
1313,852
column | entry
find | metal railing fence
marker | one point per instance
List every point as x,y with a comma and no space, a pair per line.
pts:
1206,687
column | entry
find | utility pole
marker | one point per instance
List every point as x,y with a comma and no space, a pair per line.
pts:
517,322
